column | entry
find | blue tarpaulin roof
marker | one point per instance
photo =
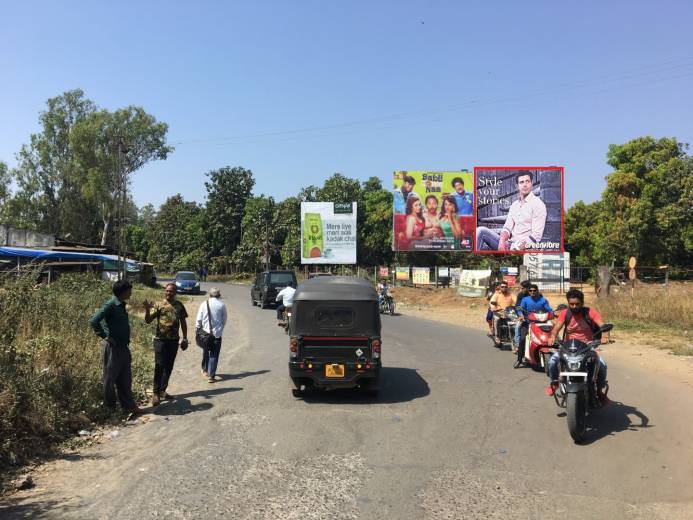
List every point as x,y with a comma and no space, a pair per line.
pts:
45,254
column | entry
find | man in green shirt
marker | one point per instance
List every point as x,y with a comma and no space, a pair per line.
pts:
115,354
170,315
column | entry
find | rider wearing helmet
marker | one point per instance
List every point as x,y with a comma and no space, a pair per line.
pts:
583,325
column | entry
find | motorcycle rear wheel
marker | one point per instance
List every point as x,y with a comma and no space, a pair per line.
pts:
576,411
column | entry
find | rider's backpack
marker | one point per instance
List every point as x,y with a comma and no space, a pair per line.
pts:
585,313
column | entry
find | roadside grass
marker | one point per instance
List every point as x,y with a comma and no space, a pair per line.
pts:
50,362
657,314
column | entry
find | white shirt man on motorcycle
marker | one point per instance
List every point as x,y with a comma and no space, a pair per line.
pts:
286,295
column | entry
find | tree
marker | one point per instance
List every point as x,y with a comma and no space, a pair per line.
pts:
5,182
43,172
375,230
339,188
108,147
288,222
260,233
228,189
178,230
646,206
579,232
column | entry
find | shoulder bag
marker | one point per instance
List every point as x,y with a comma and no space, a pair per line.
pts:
204,339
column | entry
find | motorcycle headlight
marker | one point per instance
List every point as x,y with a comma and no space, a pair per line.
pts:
574,362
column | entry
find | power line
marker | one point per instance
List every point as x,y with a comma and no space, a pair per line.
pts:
644,71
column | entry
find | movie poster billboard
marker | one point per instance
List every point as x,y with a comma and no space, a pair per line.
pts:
328,233
519,209
433,211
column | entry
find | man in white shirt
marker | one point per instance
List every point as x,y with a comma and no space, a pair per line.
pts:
524,225
215,309
286,295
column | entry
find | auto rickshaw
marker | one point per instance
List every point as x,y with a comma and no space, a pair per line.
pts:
335,335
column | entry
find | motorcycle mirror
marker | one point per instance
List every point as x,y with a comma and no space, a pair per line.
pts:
606,327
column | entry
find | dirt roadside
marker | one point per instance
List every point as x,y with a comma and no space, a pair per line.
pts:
642,349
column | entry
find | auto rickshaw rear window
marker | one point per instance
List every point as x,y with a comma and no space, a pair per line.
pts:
334,317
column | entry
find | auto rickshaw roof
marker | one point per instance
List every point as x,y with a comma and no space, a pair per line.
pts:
331,288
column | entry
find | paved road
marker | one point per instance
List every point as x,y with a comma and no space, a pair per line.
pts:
456,433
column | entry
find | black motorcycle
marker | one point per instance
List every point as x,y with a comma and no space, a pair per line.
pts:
387,304
504,323
577,383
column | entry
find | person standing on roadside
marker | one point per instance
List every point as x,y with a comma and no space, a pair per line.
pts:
170,315
214,310
115,354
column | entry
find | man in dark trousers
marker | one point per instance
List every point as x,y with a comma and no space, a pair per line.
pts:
170,315
115,354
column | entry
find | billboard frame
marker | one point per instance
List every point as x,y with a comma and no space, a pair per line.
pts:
561,170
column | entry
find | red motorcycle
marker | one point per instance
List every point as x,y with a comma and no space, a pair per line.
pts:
536,349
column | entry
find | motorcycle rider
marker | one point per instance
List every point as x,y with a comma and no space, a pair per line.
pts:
383,289
500,301
287,297
583,323
535,302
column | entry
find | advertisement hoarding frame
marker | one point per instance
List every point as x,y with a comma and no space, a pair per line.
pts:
561,170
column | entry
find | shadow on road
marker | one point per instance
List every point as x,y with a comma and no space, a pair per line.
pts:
241,375
181,404
15,509
397,385
615,418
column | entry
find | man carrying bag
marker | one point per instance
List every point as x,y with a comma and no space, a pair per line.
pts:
210,323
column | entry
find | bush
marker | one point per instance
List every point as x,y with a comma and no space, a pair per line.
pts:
50,366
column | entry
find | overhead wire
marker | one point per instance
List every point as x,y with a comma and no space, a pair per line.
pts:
448,111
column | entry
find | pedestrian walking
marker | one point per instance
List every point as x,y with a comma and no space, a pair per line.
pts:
170,315
212,311
115,354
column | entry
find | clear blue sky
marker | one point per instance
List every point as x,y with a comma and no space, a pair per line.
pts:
298,90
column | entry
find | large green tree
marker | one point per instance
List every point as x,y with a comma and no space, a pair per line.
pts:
108,148
646,206
260,235
46,194
228,189
177,235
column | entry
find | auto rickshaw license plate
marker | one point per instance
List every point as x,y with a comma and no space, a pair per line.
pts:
334,370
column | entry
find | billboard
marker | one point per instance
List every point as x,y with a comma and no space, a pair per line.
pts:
402,273
519,209
328,233
433,211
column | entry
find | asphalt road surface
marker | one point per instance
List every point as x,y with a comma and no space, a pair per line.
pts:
455,433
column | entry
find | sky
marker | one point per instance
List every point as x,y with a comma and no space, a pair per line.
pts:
298,90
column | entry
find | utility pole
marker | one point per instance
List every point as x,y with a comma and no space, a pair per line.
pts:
121,199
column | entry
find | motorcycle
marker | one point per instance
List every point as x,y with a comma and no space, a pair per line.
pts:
387,304
575,390
536,349
286,320
504,323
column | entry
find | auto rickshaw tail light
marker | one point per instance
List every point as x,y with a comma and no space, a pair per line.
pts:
376,345
293,345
